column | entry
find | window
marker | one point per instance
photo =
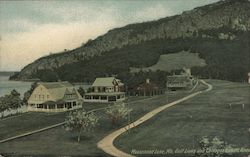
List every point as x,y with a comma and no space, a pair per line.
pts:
95,97
69,105
39,105
118,96
60,105
47,96
87,97
111,98
51,106
103,89
74,103
103,97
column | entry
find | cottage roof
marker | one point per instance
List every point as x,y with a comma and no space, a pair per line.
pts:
104,82
59,89
177,79
50,85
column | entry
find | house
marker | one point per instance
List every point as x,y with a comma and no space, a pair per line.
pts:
54,97
179,81
147,89
107,89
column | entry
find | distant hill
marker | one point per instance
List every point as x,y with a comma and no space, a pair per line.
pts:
218,33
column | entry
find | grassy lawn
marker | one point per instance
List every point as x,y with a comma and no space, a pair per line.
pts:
27,122
207,114
59,142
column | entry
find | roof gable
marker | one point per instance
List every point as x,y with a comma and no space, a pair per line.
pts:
58,89
177,79
55,90
50,85
104,82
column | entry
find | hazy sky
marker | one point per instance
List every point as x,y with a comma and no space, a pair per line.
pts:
32,29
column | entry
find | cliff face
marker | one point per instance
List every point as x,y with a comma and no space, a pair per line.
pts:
231,13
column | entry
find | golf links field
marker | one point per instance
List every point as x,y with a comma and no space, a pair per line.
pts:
181,126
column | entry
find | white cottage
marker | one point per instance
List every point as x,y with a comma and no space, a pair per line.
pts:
108,89
54,97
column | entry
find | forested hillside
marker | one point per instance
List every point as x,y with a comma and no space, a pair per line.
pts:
222,41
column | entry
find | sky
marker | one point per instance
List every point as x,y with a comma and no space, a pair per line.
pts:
32,29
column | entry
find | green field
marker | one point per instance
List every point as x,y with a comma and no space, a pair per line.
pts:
207,114
177,127
26,122
175,61
59,142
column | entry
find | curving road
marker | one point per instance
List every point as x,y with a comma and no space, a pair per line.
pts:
106,144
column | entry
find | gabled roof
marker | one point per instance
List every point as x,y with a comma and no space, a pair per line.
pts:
177,79
119,82
50,85
104,82
58,89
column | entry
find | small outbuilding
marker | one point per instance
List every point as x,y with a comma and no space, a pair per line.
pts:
147,89
175,82
181,81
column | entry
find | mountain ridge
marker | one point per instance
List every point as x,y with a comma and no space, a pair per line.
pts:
233,13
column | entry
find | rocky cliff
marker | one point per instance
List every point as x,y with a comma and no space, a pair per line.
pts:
230,13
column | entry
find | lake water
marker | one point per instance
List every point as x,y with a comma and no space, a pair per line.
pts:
7,86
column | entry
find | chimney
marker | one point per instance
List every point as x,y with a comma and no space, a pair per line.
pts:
147,80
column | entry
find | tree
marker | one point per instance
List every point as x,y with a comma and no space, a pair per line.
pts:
81,121
117,112
81,91
10,101
47,75
28,93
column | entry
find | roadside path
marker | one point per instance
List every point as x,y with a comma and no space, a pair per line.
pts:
106,144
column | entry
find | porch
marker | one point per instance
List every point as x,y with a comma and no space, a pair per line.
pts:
104,97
